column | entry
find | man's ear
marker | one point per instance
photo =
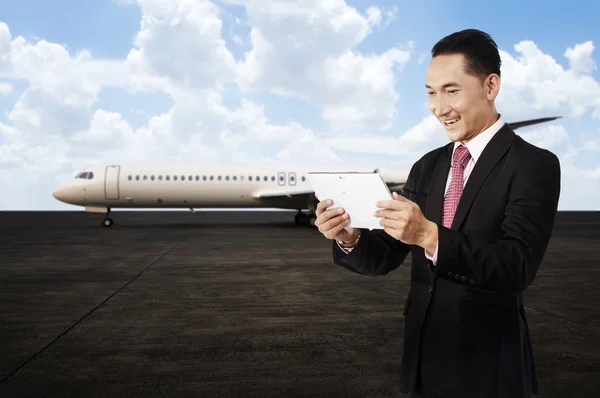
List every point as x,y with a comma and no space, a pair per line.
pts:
492,86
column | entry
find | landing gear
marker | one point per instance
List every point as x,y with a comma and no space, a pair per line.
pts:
305,219
108,222
311,220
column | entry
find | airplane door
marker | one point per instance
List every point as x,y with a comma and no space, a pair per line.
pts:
292,178
281,178
111,182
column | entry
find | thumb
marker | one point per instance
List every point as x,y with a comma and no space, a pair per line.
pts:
398,197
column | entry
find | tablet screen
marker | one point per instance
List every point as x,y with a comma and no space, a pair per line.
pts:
356,192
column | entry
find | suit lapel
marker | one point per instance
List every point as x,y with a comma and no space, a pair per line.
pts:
435,198
490,156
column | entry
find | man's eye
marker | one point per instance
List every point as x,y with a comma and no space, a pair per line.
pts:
452,91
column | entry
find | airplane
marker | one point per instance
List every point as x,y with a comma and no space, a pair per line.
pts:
103,187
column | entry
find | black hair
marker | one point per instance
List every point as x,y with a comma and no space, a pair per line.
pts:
479,49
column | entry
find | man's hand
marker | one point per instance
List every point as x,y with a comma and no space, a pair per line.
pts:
403,220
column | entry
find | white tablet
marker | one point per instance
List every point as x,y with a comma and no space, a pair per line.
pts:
356,192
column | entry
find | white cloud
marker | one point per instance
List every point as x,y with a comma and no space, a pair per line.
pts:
182,40
5,88
580,58
306,51
554,138
419,139
536,81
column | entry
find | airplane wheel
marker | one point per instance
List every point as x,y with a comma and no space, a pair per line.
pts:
311,221
301,219
108,222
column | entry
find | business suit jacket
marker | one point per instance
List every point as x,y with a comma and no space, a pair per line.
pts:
465,324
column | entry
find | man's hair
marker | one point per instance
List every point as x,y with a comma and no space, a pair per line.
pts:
479,49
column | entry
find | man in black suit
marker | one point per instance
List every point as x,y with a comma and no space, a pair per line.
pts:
476,215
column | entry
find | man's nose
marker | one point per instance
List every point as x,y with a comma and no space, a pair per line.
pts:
440,107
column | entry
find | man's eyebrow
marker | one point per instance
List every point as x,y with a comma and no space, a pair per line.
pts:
450,84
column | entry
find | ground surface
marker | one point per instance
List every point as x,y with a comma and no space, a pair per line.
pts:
243,304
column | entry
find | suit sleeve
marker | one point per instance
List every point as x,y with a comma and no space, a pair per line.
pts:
510,264
376,252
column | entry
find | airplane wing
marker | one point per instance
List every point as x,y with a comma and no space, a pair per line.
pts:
281,194
524,123
295,199
285,199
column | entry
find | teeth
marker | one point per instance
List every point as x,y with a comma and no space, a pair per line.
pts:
451,121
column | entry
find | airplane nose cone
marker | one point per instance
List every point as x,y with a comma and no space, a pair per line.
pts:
60,193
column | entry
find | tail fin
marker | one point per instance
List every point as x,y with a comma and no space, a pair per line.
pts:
524,123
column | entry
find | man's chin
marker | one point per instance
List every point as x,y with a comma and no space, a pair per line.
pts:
454,135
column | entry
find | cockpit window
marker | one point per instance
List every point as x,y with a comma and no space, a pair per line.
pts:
87,175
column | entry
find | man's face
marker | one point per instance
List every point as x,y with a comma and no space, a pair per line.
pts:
460,99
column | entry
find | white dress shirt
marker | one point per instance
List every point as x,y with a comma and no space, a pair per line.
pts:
475,147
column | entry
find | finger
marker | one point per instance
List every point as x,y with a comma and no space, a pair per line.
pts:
391,223
329,225
389,214
400,198
395,204
391,228
335,231
331,213
325,215
335,226
389,204
322,206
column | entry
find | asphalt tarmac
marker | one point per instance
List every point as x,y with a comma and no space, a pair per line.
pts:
243,304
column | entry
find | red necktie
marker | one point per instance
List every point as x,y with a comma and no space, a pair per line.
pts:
461,158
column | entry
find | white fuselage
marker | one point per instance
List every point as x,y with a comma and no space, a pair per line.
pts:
200,185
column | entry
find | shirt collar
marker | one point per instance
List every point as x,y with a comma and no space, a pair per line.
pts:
478,144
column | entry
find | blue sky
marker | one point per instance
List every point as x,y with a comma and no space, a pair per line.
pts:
108,29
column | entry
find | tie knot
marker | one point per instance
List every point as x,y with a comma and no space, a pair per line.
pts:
461,156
